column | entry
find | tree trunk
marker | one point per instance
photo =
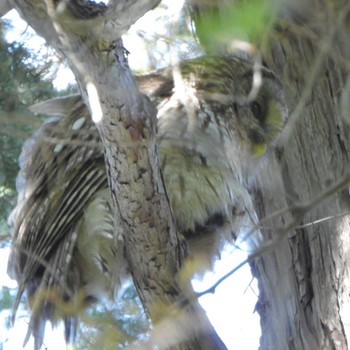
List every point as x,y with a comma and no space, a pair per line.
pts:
304,300
302,196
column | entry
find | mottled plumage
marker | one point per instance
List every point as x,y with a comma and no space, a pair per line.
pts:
210,130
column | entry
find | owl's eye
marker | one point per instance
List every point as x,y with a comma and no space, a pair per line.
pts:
258,111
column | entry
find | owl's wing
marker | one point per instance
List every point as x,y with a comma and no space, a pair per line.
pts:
62,179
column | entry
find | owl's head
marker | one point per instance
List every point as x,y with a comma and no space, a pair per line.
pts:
250,97
261,109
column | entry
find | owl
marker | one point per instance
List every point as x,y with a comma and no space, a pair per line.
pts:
214,122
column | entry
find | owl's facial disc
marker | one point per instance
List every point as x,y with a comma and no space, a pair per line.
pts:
268,122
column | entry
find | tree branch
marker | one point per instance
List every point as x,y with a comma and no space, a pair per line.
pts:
108,25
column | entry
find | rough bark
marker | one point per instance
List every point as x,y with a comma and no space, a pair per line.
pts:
304,280
127,121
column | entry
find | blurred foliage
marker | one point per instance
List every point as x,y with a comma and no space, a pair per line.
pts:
219,23
113,327
25,79
6,299
21,84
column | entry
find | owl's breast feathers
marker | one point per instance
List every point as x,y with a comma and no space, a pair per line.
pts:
210,129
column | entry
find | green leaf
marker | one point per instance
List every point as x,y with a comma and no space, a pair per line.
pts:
217,27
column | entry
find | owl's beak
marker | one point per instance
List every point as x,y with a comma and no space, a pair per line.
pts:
258,149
